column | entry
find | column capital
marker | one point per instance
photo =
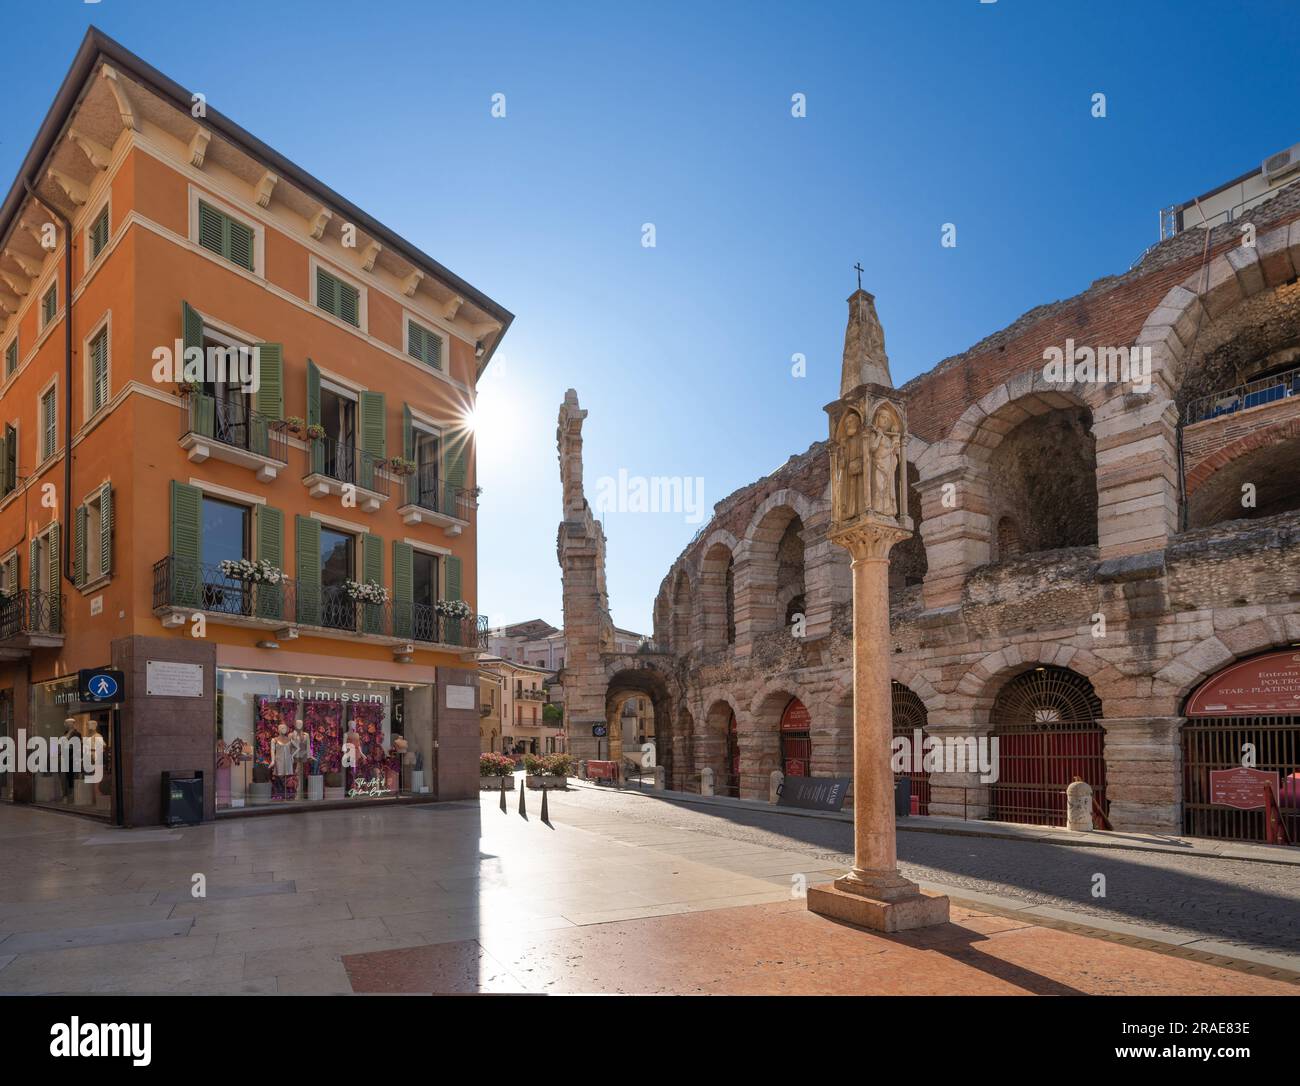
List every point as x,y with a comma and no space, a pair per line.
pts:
870,536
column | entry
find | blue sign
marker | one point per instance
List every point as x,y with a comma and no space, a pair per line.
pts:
101,685
599,731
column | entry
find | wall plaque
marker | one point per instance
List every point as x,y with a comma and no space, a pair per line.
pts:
169,679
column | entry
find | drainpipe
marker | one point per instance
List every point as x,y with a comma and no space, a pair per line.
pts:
65,533
1182,477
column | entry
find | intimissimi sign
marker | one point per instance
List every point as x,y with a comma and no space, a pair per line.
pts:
1263,686
323,693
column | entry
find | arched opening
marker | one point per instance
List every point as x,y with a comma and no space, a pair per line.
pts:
1047,722
759,741
1247,713
650,721
796,740
681,635
1042,480
910,720
718,597
776,569
907,561
1262,481
719,748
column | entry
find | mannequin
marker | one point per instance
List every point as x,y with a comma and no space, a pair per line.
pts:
301,743
282,766
352,742
71,738
396,763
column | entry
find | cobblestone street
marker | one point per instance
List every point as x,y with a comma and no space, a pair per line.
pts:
1246,904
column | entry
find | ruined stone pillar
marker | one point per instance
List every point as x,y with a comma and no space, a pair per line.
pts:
868,433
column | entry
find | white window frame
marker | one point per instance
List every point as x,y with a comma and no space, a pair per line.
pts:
52,385
106,203
4,561
53,285
104,325
99,576
18,464
407,319
38,576
363,304
259,231
5,375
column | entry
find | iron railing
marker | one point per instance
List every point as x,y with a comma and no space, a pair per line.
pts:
233,423
344,462
1277,386
425,489
30,611
1212,743
181,583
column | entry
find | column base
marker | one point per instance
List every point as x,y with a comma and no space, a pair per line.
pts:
885,903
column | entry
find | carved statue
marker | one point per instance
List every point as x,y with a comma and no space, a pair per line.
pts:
850,488
885,452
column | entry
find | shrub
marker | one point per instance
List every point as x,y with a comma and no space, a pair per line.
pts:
533,764
557,765
495,765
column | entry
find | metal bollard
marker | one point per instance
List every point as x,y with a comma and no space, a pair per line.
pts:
503,795
523,788
546,815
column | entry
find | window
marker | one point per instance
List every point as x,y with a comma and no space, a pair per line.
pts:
424,578
49,423
226,236
98,375
49,304
11,358
225,531
93,538
337,553
424,345
9,574
97,235
337,297
9,461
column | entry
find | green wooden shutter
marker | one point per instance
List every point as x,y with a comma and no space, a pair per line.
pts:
403,588
316,445
308,570
5,488
11,358
453,628
372,563
79,519
49,424
326,291
211,232
33,564
270,548
11,459
99,234
270,380
412,481
191,327
374,436
456,446
187,545
349,304
56,581
99,371
105,530
238,243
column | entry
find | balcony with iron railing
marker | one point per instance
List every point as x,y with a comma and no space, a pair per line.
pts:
429,499
30,619
229,430
530,693
1257,393
181,587
336,465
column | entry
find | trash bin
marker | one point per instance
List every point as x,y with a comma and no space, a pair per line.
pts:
902,796
182,798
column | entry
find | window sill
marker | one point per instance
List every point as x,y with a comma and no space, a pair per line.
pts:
96,584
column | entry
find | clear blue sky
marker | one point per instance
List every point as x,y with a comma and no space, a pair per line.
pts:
918,113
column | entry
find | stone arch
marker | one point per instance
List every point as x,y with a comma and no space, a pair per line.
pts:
1269,459
775,550
979,687
663,615
717,591
627,677
711,742
1186,671
682,611
760,736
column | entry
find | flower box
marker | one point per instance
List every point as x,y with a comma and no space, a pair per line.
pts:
547,782
494,784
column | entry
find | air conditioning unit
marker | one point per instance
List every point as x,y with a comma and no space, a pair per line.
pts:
1281,164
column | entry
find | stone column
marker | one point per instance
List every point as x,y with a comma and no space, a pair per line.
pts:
868,439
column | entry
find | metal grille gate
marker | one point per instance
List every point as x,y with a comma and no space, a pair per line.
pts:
1047,724
1217,743
909,715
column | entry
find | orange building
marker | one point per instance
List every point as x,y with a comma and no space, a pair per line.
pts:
235,468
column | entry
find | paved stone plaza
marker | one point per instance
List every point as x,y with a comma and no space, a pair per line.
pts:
620,892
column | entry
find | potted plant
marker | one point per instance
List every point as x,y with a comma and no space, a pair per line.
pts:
400,465
366,591
495,771
548,771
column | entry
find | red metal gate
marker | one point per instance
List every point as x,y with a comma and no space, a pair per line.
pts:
910,718
796,740
731,783
1047,725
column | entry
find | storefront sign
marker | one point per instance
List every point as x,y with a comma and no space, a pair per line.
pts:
814,793
169,679
370,787
460,696
1264,685
101,685
1245,789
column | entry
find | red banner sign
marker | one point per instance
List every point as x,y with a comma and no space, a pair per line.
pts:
796,717
1265,685
1245,789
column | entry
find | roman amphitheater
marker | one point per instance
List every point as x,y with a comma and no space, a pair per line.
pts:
1103,577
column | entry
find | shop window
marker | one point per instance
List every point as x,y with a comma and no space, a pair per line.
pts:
298,739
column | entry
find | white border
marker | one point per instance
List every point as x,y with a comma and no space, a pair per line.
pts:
104,324
363,302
